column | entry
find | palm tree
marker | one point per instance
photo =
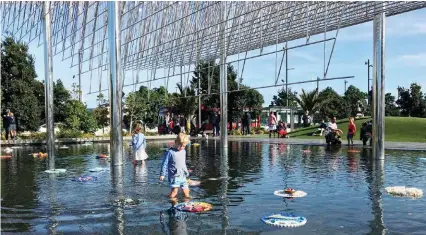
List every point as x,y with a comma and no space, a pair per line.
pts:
185,101
309,101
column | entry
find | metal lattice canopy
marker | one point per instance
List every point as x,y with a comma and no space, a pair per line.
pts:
169,34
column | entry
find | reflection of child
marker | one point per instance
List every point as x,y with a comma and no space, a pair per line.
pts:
351,131
139,145
174,163
177,221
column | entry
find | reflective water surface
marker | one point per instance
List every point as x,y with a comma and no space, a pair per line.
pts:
345,191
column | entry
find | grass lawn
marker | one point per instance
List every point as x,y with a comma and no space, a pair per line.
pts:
397,129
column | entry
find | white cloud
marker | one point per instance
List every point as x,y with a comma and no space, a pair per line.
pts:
413,60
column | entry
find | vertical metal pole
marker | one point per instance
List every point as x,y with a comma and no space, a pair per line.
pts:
345,86
368,80
199,102
223,82
318,84
116,139
48,86
379,84
286,75
79,77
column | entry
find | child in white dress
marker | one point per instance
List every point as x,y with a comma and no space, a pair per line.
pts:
138,146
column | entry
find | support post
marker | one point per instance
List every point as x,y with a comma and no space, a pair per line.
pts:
199,102
48,86
379,84
80,54
116,139
223,82
286,75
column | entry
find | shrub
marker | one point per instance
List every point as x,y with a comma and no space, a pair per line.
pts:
66,133
236,132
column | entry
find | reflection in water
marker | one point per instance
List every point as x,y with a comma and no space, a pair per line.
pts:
239,183
54,207
177,221
118,192
375,179
223,195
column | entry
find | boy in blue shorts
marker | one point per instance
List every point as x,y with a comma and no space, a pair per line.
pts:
174,163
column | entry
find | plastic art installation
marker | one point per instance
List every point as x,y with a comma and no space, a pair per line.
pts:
402,191
290,193
194,206
284,220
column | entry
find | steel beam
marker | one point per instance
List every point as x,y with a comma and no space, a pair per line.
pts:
223,82
48,84
378,135
116,135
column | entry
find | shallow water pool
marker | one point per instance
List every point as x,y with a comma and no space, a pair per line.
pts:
345,191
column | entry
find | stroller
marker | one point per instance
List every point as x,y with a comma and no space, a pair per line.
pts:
366,130
332,138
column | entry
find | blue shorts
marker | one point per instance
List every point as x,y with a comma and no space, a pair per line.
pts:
178,182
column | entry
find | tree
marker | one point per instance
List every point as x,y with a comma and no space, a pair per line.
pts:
22,93
237,100
309,101
60,96
332,104
281,98
101,116
354,100
390,107
411,101
78,118
187,106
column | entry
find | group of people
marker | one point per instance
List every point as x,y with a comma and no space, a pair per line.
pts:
333,133
276,127
173,164
9,124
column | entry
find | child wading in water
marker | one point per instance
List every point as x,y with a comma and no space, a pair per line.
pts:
139,145
351,131
174,164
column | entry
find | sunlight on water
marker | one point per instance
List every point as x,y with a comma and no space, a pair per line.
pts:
345,191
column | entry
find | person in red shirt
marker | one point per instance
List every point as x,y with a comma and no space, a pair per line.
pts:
351,131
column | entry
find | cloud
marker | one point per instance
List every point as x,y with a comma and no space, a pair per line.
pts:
413,60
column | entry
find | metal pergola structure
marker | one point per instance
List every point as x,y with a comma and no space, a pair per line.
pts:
166,35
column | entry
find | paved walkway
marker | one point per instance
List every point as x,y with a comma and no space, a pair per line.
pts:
388,145
357,143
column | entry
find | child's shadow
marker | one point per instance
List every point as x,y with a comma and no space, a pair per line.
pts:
177,220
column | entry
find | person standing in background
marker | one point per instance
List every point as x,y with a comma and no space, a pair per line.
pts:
6,123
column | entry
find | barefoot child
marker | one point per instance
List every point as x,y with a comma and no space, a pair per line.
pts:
174,164
351,131
139,145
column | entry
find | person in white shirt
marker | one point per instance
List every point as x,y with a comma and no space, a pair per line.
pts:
332,131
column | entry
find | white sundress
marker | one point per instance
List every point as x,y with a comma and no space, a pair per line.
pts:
140,154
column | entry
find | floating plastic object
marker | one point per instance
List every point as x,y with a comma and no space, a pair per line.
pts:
126,202
353,151
8,150
422,158
97,169
292,193
193,182
102,156
64,147
195,144
6,156
194,206
306,151
402,191
284,220
40,154
54,171
85,178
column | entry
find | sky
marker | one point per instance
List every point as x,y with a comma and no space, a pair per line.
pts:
405,61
